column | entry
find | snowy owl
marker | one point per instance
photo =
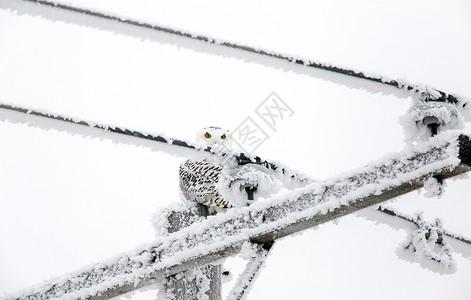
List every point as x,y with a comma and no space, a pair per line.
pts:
198,179
219,187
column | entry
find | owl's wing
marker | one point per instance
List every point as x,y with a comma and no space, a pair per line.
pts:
246,183
198,181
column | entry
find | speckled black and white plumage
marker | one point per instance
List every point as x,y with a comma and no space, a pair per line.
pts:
198,181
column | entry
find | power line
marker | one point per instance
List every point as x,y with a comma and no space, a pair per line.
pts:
289,58
241,158
396,214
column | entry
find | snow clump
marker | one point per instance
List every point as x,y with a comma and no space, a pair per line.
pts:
428,242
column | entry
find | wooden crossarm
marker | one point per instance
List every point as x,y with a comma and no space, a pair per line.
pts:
222,235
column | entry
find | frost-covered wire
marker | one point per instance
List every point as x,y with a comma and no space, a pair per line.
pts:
403,85
427,242
291,178
395,213
114,129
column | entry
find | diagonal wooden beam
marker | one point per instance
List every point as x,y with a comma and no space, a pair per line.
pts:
222,235
247,276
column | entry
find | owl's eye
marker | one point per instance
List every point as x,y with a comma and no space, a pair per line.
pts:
223,136
207,135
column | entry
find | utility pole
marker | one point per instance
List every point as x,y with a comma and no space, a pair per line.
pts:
198,283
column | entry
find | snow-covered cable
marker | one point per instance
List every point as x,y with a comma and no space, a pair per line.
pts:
427,241
403,85
395,213
291,177
137,134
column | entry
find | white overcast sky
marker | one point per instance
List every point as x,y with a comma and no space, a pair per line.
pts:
68,199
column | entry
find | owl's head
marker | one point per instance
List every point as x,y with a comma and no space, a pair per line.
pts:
214,135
